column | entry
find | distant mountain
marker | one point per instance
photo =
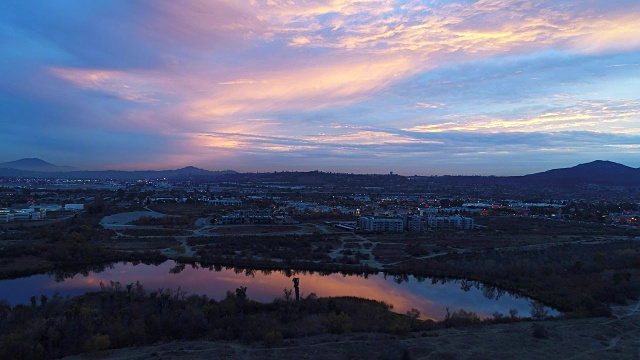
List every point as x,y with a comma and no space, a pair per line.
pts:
34,164
186,173
596,172
36,168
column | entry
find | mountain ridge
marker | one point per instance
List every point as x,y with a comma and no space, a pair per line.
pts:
602,172
37,168
35,164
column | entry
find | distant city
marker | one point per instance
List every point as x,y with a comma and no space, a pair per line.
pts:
33,188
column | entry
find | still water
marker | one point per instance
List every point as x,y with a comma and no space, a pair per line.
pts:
430,296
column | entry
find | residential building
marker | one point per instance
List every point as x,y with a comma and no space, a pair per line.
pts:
74,207
450,222
368,223
225,202
247,217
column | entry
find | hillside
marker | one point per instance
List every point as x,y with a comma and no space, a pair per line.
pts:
34,164
37,168
596,172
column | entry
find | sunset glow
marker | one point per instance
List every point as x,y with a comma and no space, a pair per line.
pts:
372,86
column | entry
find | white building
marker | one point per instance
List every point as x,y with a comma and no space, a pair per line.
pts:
428,211
449,210
414,223
7,215
299,207
368,223
450,222
225,202
21,216
247,217
46,207
74,207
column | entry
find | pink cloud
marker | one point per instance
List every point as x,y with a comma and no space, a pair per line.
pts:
366,46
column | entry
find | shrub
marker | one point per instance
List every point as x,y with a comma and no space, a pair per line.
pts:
273,338
539,332
339,323
461,318
538,311
179,248
97,343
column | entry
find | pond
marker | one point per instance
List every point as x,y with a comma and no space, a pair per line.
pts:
431,296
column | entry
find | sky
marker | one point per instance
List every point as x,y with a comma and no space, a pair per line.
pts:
487,87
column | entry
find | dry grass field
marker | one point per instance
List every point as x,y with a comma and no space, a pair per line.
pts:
580,339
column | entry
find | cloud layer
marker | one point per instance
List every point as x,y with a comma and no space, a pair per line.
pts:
415,87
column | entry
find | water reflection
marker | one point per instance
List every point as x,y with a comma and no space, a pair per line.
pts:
404,292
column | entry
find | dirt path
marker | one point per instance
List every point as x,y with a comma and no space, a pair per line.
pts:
188,250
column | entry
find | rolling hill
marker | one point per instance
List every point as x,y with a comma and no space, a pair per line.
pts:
37,168
34,164
595,172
